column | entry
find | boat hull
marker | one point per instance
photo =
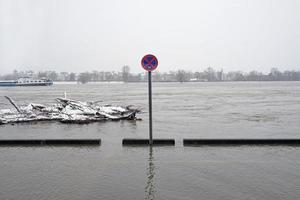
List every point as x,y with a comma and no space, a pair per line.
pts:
8,83
16,83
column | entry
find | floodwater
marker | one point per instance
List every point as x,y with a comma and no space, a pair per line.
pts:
188,110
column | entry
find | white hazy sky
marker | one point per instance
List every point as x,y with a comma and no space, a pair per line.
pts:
81,35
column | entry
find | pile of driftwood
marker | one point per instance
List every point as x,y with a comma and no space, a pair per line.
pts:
66,111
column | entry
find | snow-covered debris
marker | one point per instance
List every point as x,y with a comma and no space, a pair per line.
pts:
67,111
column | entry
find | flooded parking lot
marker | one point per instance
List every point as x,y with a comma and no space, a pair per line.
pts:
189,110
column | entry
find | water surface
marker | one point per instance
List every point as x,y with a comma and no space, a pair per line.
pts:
188,110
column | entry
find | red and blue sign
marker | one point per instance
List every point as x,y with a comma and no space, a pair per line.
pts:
149,62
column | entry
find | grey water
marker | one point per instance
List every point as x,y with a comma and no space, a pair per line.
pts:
188,110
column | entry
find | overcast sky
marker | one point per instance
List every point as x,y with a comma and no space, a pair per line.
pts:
81,35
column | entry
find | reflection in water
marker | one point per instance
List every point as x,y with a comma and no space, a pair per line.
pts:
150,187
132,124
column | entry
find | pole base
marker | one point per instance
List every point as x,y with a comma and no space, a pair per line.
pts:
146,142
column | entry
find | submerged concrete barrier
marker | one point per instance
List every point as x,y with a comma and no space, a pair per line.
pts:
238,142
145,142
45,142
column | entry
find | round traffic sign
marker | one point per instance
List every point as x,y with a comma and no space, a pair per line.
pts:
149,62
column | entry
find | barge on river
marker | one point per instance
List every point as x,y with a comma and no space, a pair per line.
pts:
27,82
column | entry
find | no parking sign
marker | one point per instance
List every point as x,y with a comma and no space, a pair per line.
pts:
149,62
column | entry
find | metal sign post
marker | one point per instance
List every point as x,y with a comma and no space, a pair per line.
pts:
150,107
149,63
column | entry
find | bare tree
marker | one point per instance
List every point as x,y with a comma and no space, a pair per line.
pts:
181,76
210,74
125,73
84,77
72,77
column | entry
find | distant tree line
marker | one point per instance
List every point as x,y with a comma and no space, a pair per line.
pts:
209,75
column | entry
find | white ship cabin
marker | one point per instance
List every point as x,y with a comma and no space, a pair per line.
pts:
27,80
